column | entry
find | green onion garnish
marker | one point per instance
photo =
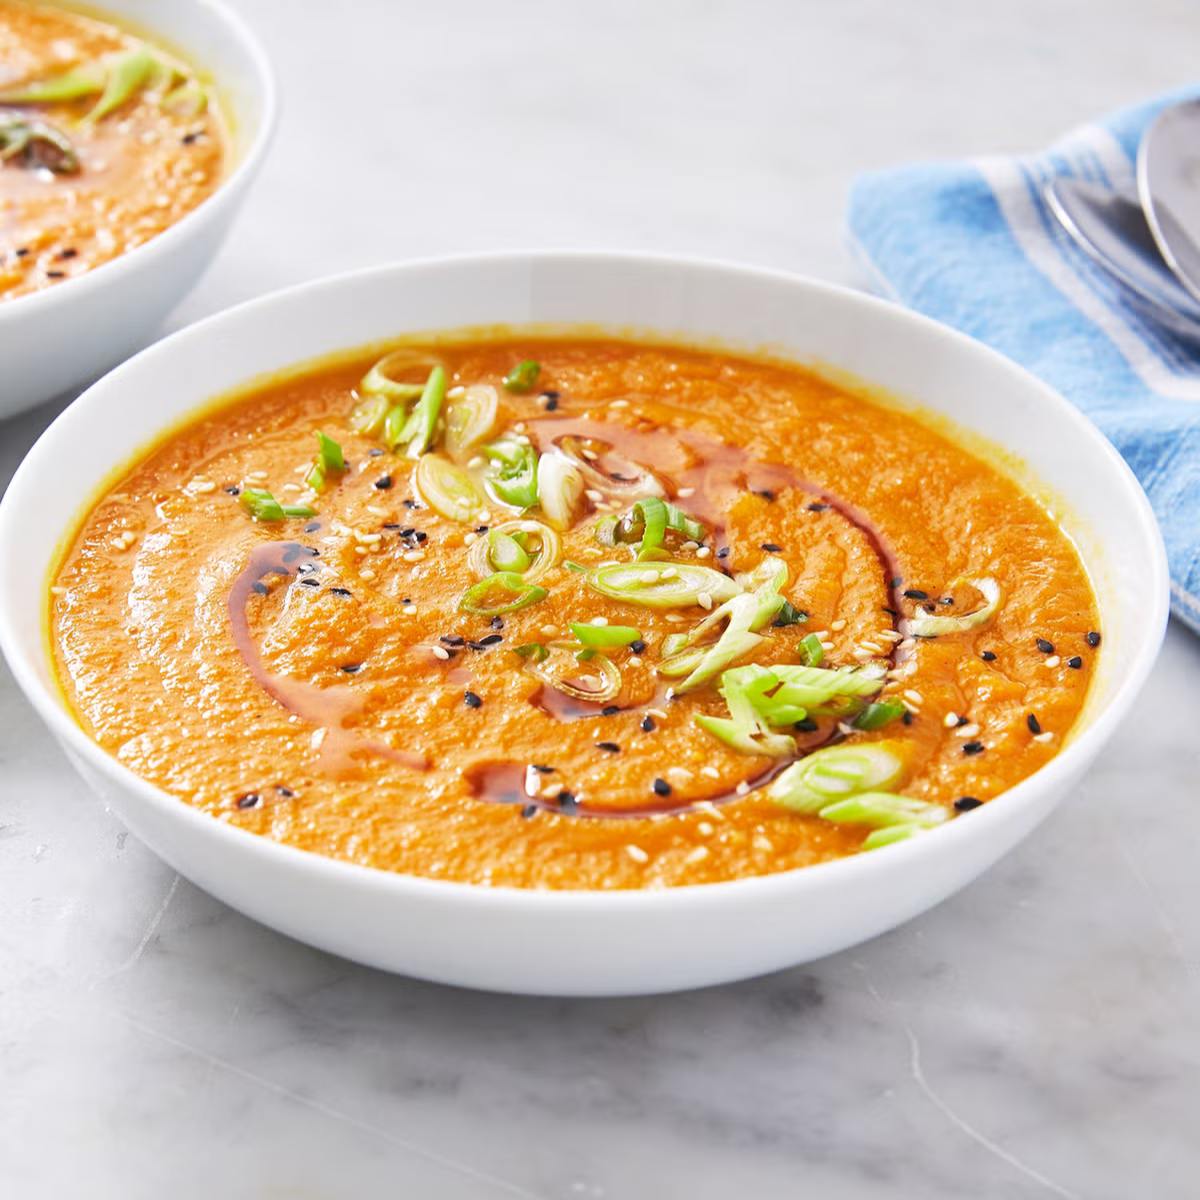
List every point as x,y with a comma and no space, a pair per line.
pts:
186,99
378,381
127,75
515,594
532,650
889,834
572,565
263,506
369,415
881,809
812,653
935,626
330,461
447,489
523,376
876,716
539,543
470,419
662,585
559,489
422,421
838,772
744,729
507,554
513,475
560,668
788,615
605,636
73,85
647,522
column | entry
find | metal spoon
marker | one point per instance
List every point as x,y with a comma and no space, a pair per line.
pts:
1168,171
1109,226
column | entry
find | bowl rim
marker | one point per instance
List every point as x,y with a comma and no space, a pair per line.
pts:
393,885
77,287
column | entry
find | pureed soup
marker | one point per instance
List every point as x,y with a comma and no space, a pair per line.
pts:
105,141
573,614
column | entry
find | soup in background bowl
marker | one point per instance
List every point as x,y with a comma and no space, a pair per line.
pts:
578,756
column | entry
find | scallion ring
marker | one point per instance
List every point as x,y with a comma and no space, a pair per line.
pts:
929,626
470,419
838,772
597,679
663,585
604,637
559,489
515,593
447,489
383,378
538,541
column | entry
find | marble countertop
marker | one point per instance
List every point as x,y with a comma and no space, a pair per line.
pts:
1036,1035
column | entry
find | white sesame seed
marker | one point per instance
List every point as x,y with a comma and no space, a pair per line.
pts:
376,511
669,573
549,630
698,855
690,546
742,788
648,577
705,828
703,552
679,773
361,550
685,492
913,695
826,645
873,647
590,455
658,712
763,843
202,486
967,731
637,853
474,463
58,590
258,476
409,610
441,652
890,635
454,392
633,661
1053,660
601,621
1045,736
471,538
367,574
292,487
704,600
838,625
619,404
483,517
594,496
413,556
949,720
711,772
821,634
864,655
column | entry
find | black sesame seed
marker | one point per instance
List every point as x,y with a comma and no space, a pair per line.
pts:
765,493
481,529
55,274
648,725
946,600
723,552
312,527
420,536
233,490
260,588
285,792
351,668
771,547
472,700
412,504
805,725
249,800
963,721
916,594
22,251
310,583
497,622
1093,638
891,612
817,507
610,710
970,748
189,138
1044,646
637,646
451,639
896,581
907,718
542,769
567,802
306,568
340,591
551,403
492,639
662,787
392,525
966,803
383,482
988,656
374,452
69,252
1035,726
406,531
611,747
550,394
530,810
1075,662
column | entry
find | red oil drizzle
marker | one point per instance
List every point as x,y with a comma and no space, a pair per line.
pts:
328,708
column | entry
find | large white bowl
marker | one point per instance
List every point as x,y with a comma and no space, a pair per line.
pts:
72,331
588,943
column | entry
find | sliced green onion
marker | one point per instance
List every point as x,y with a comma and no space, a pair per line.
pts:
422,421
647,522
889,834
628,486
838,772
380,379
603,637
572,565
263,506
447,489
938,626
881,809
523,376
73,85
513,475
812,653
127,75
532,650
789,615
539,542
516,593
330,461
815,686
395,425
38,143
470,419
664,585
368,415
672,644
876,716
735,642
559,489
744,729
507,554
560,669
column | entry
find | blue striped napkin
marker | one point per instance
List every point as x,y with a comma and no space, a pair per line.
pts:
973,244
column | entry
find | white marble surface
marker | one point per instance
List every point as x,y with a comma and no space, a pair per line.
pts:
1037,1035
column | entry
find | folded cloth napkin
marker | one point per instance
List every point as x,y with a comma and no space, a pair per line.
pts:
973,244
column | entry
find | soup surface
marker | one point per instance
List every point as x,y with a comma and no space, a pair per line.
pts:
105,141
573,614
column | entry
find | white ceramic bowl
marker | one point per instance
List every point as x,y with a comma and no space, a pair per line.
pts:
72,331
589,943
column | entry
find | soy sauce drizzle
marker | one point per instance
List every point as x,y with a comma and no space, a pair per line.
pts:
328,708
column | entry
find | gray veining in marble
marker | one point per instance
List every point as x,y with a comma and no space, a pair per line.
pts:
1036,1036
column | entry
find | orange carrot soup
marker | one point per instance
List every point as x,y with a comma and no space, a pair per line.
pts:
583,613
105,141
